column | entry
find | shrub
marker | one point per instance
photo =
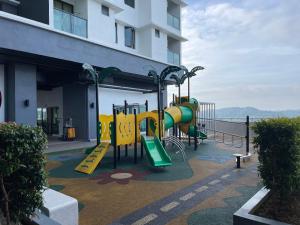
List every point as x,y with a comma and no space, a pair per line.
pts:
22,174
278,143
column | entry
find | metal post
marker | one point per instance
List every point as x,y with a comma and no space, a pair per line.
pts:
125,112
247,135
135,136
97,110
189,94
119,147
115,136
215,121
159,109
147,121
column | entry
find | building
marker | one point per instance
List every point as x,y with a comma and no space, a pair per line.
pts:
43,44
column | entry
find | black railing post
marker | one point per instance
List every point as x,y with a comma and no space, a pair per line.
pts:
135,137
247,135
115,136
125,112
119,147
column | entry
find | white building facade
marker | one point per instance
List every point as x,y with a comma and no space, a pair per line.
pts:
43,44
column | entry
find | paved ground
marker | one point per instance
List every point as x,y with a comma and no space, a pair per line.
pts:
206,188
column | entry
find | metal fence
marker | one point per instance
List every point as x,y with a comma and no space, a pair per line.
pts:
236,134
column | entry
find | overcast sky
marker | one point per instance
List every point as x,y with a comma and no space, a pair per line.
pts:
250,49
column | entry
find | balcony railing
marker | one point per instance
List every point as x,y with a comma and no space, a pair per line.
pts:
173,21
70,23
173,58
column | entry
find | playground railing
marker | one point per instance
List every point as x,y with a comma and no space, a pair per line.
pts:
230,133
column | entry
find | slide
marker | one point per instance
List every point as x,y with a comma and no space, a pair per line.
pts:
156,153
89,164
185,116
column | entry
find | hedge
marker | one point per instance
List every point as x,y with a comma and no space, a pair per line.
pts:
22,173
278,144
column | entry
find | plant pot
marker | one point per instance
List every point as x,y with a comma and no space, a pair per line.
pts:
244,216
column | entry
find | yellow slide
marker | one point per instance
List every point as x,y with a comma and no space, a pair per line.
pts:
89,164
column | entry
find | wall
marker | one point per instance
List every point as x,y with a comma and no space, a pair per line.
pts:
108,97
75,107
35,10
2,100
53,98
100,27
159,12
20,86
35,40
159,46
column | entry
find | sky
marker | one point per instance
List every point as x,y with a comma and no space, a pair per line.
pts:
250,50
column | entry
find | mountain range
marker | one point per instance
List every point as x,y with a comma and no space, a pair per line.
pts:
237,112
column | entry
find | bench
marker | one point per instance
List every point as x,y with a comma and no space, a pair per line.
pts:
60,207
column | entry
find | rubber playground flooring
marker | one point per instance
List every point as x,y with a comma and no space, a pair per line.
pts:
205,189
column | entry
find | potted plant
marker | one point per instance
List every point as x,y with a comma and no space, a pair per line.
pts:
278,144
22,173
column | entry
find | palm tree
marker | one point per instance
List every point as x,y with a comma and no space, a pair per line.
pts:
160,81
94,77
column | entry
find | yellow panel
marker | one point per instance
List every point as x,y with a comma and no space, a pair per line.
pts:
175,112
89,164
125,129
144,115
105,131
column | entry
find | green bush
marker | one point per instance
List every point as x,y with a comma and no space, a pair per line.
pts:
278,144
22,173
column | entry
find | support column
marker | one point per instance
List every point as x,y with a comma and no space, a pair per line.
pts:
77,100
2,94
21,86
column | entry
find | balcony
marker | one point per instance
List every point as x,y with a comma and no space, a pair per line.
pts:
173,58
173,21
70,23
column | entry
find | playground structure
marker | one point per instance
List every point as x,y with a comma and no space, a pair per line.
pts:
122,129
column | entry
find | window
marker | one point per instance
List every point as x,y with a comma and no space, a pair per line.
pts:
157,33
116,32
63,6
130,3
130,37
105,10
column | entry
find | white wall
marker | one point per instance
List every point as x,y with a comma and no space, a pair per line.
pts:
159,46
108,97
2,107
101,28
52,98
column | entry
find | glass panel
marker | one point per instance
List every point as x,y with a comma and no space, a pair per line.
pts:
176,59
79,26
69,23
173,58
173,21
129,37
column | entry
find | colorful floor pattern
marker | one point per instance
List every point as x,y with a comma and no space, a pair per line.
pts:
206,187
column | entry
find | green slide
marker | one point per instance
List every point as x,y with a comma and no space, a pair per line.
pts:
156,153
200,134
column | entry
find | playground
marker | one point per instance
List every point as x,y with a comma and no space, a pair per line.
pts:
203,185
154,167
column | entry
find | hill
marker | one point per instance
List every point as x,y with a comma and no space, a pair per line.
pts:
237,112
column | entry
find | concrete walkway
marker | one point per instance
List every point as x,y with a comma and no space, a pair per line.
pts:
168,208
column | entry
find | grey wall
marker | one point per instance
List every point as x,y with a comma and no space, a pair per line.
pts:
35,9
75,107
91,92
27,38
21,85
